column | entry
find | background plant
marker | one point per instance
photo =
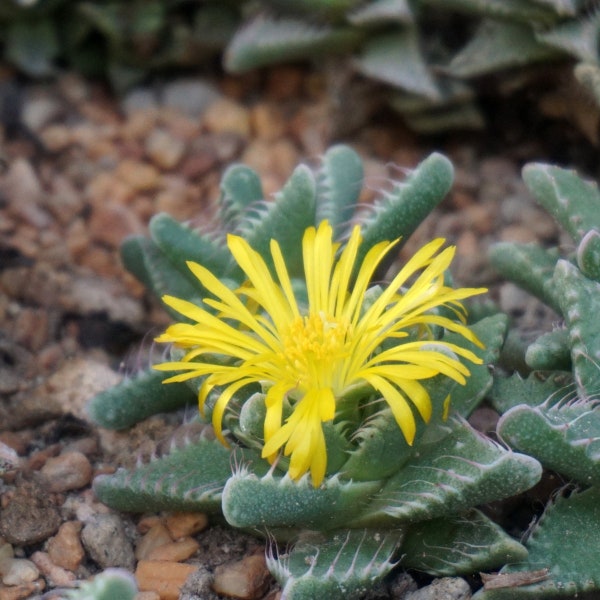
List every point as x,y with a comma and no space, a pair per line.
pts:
381,498
552,412
426,52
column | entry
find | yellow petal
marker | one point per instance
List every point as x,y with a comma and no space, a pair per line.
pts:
221,405
399,406
268,293
342,272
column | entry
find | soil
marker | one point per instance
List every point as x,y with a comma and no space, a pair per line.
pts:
82,169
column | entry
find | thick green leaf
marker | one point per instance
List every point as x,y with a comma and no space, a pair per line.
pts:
566,543
490,332
571,200
190,477
132,256
578,297
240,188
265,41
508,392
396,58
339,183
284,220
406,205
341,565
382,448
564,437
578,37
499,45
551,351
530,266
382,12
137,398
32,45
450,475
278,502
179,243
461,544
588,255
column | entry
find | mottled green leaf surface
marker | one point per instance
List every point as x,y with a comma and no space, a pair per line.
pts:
464,543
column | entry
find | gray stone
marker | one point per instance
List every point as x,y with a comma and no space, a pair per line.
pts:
189,96
139,99
40,110
105,541
30,516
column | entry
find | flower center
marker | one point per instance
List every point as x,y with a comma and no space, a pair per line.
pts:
312,348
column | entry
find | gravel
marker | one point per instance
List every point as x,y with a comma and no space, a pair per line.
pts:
73,322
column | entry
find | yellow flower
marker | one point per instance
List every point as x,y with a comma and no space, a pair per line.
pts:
310,358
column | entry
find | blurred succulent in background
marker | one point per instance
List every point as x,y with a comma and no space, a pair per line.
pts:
110,584
123,41
341,401
553,413
427,52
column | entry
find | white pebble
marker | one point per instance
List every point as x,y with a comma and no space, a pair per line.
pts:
19,571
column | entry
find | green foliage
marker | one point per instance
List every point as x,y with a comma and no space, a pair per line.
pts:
553,415
337,565
462,544
378,488
403,44
111,584
146,395
123,40
565,543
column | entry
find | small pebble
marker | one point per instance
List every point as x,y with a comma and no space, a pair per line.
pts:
446,588
247,579
6,555
268,122
30,516
9,459
22,592
225,115
41,110
147,596
158,535
79,379
55,575
145,524
57,137
18,571
177,551
68,471
189,96
110,223
278,158
186,523
165,578
138,99
65,549
164,149
519,234
24,193
138,175
105,540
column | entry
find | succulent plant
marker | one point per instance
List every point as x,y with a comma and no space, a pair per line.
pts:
426,51
552,413
111,584
121,40
333,409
